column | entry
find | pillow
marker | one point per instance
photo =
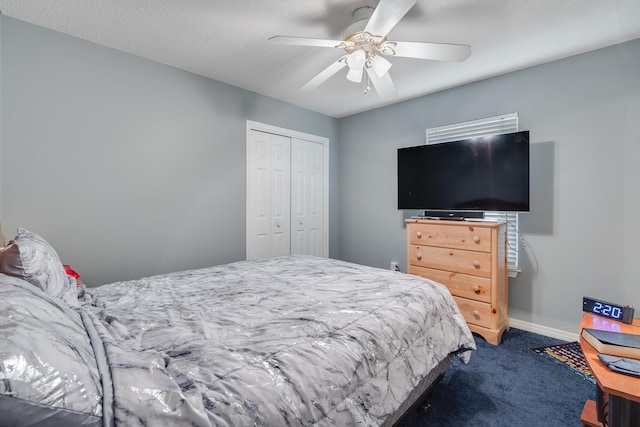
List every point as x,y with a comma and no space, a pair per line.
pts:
48,369
31,258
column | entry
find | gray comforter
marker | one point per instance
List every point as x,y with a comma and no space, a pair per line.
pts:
286,341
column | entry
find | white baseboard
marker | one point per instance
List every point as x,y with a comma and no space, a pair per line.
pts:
543,330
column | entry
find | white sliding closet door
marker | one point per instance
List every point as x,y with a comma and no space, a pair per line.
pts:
268,201
307,189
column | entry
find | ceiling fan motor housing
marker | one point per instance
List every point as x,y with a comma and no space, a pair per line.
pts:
360,17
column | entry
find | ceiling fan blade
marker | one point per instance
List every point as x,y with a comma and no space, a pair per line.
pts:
435,51
384,85
324,75
304,41
387,14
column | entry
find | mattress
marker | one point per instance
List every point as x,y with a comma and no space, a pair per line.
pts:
293,340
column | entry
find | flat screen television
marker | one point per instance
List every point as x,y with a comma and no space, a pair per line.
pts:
471,175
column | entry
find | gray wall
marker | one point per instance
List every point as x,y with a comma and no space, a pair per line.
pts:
129,167
581,233
133,168
2,242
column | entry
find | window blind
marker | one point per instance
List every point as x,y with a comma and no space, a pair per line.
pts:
506,123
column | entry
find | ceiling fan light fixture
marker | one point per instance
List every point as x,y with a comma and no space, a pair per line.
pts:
355,75
380,65
366,46
356,62
357,59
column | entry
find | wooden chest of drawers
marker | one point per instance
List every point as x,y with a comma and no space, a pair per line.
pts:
469,258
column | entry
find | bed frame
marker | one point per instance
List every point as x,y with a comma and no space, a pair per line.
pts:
420,395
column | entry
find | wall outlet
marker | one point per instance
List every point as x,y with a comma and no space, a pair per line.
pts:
394,266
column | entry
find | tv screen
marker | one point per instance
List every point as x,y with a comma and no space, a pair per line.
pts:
479,174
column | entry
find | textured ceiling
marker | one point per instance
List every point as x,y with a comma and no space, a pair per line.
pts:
226,40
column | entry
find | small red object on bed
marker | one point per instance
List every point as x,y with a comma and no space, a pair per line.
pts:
71,272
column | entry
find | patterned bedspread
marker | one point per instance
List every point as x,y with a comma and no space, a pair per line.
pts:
286,341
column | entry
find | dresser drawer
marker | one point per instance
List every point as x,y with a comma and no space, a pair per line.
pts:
456,260
468,237
475,312
461,285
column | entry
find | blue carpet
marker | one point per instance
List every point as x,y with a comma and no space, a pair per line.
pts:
507,385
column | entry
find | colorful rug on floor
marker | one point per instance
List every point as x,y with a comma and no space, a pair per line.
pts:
570,356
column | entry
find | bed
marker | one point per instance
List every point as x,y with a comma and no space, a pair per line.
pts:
294,340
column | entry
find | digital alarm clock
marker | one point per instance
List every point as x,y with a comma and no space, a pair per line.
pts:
609,310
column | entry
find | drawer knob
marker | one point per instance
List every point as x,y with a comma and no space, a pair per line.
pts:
476,264
419,256
418,234
476,239
476,314
476,289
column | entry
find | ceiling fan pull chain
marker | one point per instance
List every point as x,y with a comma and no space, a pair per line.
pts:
367,84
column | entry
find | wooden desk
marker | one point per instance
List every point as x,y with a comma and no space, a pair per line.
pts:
617,387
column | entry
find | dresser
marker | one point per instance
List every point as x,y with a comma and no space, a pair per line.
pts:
469,258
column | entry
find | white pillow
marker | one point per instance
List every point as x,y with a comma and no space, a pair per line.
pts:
31,258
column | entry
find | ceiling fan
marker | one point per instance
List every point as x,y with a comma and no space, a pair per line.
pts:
365,48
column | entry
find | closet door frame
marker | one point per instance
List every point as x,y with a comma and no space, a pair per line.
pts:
263,127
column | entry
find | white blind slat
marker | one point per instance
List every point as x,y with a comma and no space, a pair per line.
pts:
513,243
470,132
506,123
473,129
